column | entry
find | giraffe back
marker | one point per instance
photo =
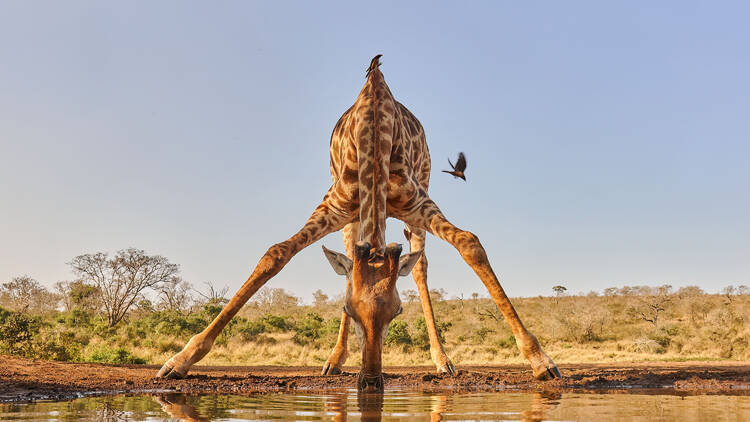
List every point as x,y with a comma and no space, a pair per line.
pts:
379,157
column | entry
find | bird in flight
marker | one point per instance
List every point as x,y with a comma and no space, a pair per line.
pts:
459,168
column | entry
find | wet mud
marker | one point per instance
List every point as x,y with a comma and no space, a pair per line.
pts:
23,380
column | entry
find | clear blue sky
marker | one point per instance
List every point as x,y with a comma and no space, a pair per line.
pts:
607,142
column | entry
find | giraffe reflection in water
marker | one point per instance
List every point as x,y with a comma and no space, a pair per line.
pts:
176,406
372,407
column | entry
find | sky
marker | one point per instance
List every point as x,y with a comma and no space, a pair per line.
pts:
608,143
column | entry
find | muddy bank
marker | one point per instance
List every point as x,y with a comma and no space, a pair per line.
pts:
28,380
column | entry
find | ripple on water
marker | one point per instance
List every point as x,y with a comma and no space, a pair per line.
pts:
393,405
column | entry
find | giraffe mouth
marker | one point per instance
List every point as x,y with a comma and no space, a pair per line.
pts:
369,383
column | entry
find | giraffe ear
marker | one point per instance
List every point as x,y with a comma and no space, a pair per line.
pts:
340,263
407,262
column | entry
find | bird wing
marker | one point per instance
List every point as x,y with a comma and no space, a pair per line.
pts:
461,163
452,166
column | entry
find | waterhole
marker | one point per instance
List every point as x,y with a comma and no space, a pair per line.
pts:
393,405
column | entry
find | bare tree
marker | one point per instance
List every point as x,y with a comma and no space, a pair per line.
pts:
411,295
610,291
174,295
24,292
728,292
123,277
650,307
689,291
269,298
625,291
319,298
213,295
489,313
437,295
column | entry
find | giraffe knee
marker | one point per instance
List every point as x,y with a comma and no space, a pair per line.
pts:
420,270
466,239
470,248
275,258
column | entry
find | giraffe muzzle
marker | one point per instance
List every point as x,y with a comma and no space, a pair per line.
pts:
369,383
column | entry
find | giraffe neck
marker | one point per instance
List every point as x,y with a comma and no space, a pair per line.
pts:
374,136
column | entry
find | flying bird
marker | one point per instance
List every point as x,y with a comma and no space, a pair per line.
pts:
459,168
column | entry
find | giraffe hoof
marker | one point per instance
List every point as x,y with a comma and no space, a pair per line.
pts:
329,369
169,373
448,368
548,373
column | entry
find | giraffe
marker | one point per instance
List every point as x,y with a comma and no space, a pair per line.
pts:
380,166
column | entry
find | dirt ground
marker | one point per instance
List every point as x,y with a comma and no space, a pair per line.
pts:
28,380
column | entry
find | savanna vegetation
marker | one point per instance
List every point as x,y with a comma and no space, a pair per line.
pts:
134,308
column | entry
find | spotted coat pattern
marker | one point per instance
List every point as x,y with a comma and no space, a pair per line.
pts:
380,163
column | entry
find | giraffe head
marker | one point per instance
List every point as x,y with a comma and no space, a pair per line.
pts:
372,300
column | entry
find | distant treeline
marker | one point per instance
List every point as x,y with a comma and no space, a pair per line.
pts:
134,308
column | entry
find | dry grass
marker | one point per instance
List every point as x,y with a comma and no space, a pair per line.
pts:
628,324
572,329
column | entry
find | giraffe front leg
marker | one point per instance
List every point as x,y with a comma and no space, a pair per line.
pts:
340,353
428,217
416,239
325,219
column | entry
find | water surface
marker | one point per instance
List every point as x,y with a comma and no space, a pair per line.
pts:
394,405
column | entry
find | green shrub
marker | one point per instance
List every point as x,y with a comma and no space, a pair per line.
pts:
421,337
331,326
78,318
118,355
249,330
330,332
101,329
58,346
309,329
170,323
211,310
480,336
277,323
17,332
398,333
